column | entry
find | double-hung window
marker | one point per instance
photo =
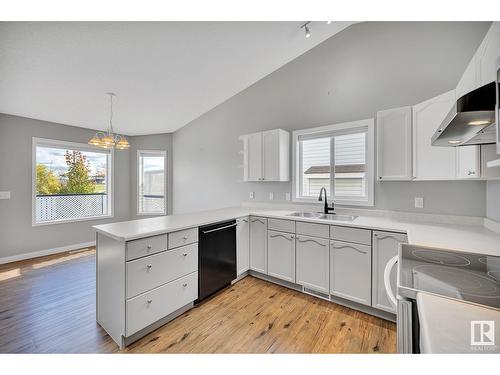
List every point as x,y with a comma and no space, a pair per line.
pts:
339,158
71,182
152,183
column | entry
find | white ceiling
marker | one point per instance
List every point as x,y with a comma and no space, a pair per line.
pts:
165,74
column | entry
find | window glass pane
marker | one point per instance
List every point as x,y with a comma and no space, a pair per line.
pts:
315,167
152,183
350,165
70,184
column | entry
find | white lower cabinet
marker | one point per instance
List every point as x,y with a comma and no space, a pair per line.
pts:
258,244
281,255
312,258
350,271
151,306
242,245
385,246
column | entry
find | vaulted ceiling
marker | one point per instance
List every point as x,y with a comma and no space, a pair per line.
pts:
165,74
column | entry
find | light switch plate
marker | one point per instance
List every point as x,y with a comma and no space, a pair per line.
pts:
271,196
287,196
419,202
4,194
252,195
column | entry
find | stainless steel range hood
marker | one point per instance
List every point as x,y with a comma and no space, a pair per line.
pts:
471,121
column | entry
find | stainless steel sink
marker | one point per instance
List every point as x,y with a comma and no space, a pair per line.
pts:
337,217
320,216
313,215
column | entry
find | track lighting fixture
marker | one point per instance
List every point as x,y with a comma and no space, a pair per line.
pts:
307,31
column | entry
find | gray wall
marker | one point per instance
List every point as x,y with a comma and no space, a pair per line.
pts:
161,142
493,200
17,234
365,68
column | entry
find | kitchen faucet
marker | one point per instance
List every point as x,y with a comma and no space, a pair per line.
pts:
326,208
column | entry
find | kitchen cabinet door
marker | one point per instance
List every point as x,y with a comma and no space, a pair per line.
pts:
242,245
281,255
489,54
394,144
253,157
468,162
385,246
258,244
313,263
489,153
276,159
432,162
350,271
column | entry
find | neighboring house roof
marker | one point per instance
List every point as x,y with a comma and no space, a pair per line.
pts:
348,168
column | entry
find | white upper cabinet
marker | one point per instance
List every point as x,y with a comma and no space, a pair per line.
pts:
431,162
394,144
489,153
266,156
483,65
489,54
468,162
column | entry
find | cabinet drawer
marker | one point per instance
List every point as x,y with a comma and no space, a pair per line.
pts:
356,235
182,237
146,246
281,225
147,308
155,270
311,229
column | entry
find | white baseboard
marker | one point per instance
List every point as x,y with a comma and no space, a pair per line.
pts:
41,253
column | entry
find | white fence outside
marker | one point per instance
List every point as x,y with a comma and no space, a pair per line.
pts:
152,204
70,206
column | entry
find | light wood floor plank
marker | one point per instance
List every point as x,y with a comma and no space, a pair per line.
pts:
47,305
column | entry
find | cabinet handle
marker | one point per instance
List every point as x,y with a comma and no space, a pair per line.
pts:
383,236
149,247
184,285
185,238
184,255
259,220
471,173
149,266
281,235
149,301
310,240
350,247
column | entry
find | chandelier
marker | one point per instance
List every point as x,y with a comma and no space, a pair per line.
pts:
109,139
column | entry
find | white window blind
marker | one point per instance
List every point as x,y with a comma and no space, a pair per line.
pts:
336,160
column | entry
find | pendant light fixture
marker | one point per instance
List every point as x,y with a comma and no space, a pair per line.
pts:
109,139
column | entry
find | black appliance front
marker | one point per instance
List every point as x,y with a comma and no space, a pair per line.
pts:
216,257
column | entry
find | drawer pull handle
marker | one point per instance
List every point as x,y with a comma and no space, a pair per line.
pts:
149,247
185,238
259,220
350,247
184,255
281,235
184,285
149,301
149,266
310,240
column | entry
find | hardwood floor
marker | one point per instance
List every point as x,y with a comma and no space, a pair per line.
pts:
47,305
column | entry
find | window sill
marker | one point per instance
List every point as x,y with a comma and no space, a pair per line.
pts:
69,221
151,213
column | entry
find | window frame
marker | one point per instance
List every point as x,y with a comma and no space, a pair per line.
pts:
80,147
157,152
329,131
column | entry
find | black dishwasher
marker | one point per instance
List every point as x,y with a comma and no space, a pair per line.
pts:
216,257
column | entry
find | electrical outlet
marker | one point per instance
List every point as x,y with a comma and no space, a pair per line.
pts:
252,195
4,194
287,196
419,202
271,196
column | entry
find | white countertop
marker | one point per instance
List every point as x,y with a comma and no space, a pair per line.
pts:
445,325
459,237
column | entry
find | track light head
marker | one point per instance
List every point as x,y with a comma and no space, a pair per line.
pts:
307,31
